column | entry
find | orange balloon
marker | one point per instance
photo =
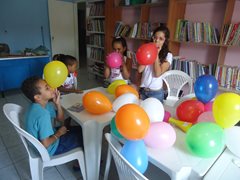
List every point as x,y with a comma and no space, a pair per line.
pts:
132,122
96,103
122,89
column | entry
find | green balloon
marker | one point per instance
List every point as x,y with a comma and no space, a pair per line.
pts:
205,139
114,128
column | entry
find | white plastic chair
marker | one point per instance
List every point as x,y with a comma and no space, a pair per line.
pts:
124,168
40,158
175,80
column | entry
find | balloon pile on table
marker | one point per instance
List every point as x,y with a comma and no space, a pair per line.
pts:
55,73
139,124
209,116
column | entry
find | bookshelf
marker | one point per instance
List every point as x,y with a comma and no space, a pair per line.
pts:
218,13
95,36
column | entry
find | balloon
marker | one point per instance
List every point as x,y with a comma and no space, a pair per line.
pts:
114,128
96,103
232,139
136,154
208,106
121,89
154,109
55,73
205,139
206,117
226,109
190,110
166,117
160,135
132,122
127,98
205,88
147,54
112,87
114,60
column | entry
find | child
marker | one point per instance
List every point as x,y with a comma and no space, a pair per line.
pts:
151,81
39,118
70,83
119,45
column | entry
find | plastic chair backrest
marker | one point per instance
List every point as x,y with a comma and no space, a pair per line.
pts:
124,168
13,113
175,80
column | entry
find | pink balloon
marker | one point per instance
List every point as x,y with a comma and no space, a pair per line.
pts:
160,135
206,117
114,60
166,117
208,106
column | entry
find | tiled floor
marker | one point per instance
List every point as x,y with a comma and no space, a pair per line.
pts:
14,158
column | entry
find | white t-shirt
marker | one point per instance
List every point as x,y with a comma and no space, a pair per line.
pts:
116,73
69,82
149,81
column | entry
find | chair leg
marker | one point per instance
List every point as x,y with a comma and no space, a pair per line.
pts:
36,168
82,166
108,163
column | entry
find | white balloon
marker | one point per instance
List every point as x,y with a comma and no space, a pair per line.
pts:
127,98
154,109
232,139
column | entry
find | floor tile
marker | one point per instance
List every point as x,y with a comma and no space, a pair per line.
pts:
9,173
67,171
5,159
23,169
17,152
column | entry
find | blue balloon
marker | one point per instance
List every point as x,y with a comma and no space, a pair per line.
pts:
135,153
205,88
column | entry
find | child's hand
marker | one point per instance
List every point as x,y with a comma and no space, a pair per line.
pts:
61,131
56,98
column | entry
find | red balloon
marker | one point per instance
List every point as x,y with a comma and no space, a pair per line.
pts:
147,54
189,110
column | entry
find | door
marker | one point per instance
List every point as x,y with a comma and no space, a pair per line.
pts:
63,27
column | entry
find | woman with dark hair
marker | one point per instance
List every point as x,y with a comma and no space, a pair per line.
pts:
151,81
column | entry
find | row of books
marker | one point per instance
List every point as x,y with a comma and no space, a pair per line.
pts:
138,30
193,68
96,54
96,9
231,34
96,39
95,25
196,32
228,77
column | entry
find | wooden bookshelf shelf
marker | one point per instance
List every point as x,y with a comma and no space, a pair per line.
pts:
228,89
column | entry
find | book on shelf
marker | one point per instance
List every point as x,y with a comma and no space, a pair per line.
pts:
196,32
228,76
193,68
141,30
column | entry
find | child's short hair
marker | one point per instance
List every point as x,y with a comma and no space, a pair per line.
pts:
29,87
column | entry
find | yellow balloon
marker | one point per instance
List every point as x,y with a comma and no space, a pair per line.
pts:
226,109
55,73
111,88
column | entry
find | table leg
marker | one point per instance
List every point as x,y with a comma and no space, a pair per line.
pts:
92,140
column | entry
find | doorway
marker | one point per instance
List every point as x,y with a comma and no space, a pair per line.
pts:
82,35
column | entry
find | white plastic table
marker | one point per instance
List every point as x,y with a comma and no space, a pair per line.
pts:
177,161
227,167
92,128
